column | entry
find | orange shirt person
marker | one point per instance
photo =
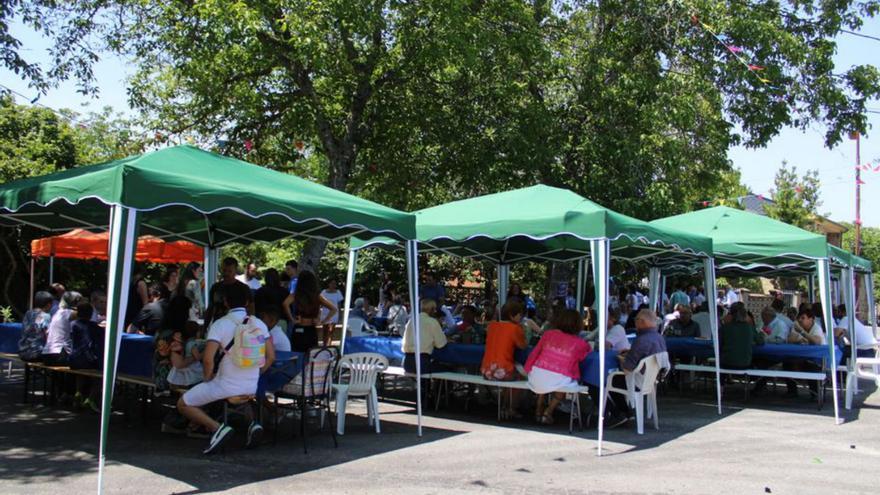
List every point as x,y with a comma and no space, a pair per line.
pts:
502,340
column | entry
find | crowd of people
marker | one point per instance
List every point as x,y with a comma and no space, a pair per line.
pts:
270,311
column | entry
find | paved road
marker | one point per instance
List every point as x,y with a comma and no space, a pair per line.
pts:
775,445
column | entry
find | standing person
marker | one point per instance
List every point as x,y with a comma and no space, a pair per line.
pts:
58,343
679,297
272,293
190,285
554,364
232,376
332,294
308,311
35,325
397,316
250,277
730,297
138,295
170,279
502,339
216,309
433,289
699,298
291,270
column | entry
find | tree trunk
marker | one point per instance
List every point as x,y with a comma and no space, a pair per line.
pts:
341,165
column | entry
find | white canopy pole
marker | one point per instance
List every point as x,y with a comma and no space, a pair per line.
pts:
581,281
600,252
412,270
210,272
51,269
123,244
661,308
654,282
869,295
849,281
32,285
503,284
824,273
712,296
349,289
811,288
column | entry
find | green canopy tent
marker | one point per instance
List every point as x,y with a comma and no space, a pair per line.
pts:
549,224
186,193
748,244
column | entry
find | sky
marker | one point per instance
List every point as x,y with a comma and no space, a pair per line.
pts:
802,149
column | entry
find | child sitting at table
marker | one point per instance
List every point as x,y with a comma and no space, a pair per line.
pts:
87,344
502,339
271,315
186,350
555,363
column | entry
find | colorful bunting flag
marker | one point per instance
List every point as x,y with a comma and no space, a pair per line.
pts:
860,182
248,145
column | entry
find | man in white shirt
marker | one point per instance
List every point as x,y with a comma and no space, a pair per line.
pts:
230,380
774,327
730,296
250,277
699,298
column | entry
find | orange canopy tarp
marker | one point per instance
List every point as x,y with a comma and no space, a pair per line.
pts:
82,244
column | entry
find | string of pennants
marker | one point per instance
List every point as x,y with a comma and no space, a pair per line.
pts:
735,51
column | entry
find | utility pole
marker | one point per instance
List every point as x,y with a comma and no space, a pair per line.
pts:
857,249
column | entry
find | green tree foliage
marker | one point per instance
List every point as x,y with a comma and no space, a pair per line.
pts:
33,141
37,141
795,198
870,249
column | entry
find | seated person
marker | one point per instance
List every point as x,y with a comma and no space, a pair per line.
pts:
737,338
469,331
684,325
615,336
35,325
502,339
151,317
431,337
648,342
187,351
702,318
271,315
779,307
774,326
58,343
397,316
631,320
229,378
554,364
87,353
805,330
864,336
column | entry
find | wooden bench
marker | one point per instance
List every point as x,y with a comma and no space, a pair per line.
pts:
819,376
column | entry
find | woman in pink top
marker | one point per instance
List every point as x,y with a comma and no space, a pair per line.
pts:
554,364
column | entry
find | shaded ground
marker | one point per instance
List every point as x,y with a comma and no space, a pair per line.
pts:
783,445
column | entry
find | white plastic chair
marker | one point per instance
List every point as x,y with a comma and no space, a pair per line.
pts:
865,368
357,327
641,386
361,370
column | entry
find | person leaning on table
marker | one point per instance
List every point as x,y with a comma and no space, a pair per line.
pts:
431,337
804,332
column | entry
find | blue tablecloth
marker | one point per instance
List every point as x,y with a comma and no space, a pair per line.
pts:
136,355
688,346
471,355
10,334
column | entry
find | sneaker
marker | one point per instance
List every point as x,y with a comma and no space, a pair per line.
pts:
254,434
220,437
615,421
